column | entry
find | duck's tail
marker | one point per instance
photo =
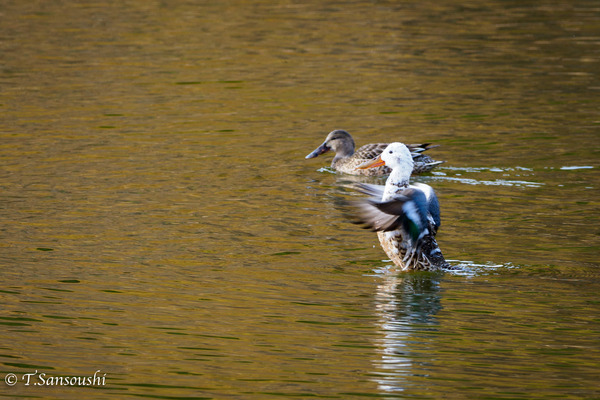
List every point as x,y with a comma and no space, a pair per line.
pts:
424,164
426,256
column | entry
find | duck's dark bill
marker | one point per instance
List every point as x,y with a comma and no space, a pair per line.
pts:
319,150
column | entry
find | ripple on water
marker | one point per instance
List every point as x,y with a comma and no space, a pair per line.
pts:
457,173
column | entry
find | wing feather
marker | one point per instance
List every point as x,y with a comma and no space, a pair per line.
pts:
407,211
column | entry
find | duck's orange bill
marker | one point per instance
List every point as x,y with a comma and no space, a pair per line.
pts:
376,162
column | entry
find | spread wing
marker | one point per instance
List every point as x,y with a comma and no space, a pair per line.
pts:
407,211
433,204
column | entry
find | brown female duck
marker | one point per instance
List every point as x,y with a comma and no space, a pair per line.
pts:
347,159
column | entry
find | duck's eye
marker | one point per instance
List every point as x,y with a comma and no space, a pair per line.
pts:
390,152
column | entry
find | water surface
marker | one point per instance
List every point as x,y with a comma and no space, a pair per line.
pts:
160,224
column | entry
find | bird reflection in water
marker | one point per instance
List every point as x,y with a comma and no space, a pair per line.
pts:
406,306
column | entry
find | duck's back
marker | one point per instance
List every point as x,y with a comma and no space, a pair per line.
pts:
371,150
364,153
349,165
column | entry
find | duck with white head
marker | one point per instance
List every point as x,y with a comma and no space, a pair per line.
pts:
406,217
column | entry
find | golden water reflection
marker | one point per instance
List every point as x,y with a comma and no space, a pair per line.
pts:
158,220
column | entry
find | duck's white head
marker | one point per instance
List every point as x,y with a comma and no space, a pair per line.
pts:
396,156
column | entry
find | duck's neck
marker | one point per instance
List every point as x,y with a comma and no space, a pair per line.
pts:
343,153
338,157
345,149
396,182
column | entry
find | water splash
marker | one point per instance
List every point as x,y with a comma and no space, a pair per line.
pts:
458,267
326,169
471,269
